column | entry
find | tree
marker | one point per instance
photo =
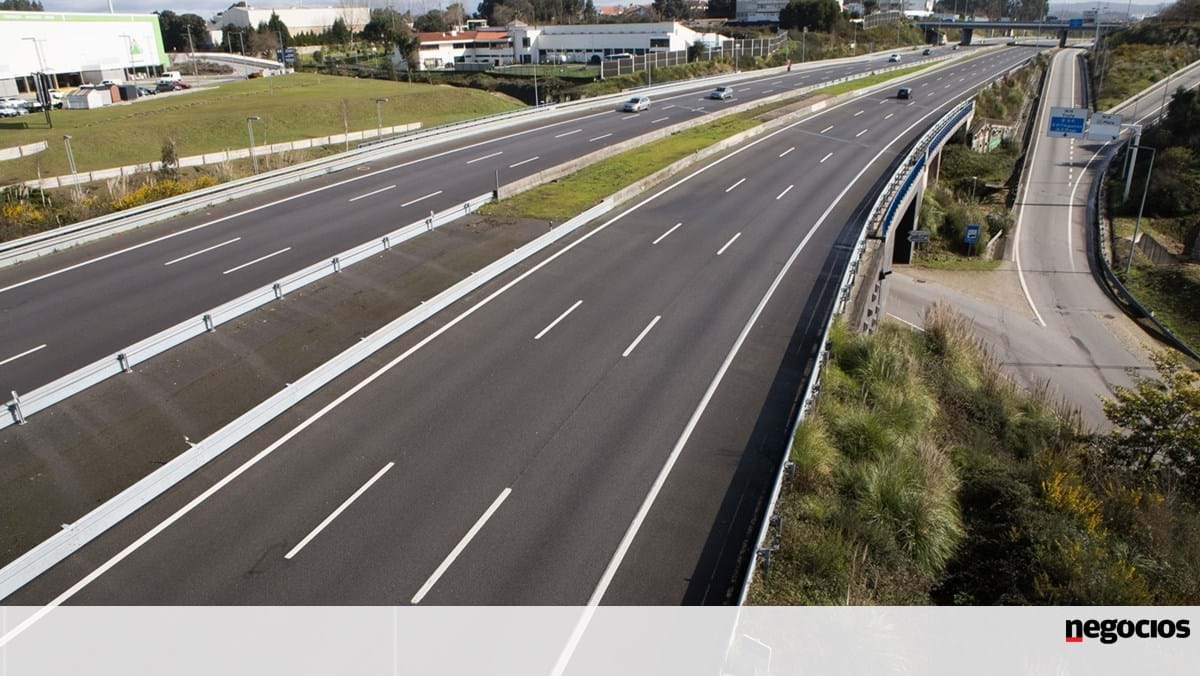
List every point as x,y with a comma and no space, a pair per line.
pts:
407,43
722,9
589,12
175,29
279,28
21,6
815,15
338,32
456,15
433,21
1158,425
385,25
673,9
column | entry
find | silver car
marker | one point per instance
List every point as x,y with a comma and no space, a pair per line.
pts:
636,105
721,93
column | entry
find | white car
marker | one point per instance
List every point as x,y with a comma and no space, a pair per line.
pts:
721,93
894,58
13,111
12,102
636,105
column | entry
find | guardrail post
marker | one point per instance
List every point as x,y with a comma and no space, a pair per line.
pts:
278,289
16,408
208,322
387,244
337,264
429,221
123,361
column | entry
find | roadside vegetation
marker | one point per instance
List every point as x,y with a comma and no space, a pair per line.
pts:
1165,276
925,475
1142,55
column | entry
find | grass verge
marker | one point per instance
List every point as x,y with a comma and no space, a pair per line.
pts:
877,78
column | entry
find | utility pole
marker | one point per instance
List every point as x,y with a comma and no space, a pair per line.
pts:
41,83
1138,224
1131,156
803,36
192,52
250,128
379,118
71,164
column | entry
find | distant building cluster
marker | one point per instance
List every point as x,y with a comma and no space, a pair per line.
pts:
297,19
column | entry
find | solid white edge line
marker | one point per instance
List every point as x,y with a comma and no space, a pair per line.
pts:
458,549
558,319
257,260
580,626
373,192
629,350
610,571
535,157
664,235
26,353
422,198
485,157
732,240
740,181
785,191
202,251
341,508
1021,210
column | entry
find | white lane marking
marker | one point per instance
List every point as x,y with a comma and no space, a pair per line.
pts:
888,116
733,239
826,129
659,120
458,549
1021,212
787,151
421,198
641,335
573,131
740,181
592,140
630,117
535,157
618,557
558,319
341,508
23,354
664,235
668,107
858,113
827,156
860,133
480,159
785,191
257,260
374,192
197,253
767,91
906,322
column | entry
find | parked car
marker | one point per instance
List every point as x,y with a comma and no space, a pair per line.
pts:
147,91
7,110
894,58
904,93
170,76
636,105
927,52
109,83
721,93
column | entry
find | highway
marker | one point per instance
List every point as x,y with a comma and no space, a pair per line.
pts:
67,310
1066,330
600,427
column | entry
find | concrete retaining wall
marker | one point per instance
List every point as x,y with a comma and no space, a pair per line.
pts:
21,151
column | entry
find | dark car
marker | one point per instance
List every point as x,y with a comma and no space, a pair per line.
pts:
927,52
904,93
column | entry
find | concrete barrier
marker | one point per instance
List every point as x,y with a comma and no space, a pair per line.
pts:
16,152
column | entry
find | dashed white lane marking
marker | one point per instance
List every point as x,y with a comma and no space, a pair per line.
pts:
593,140
458,549
861,133
202,251
341,508
668,232
568,133
739,182
535,157
785,191
787,151
421,198
640,336
257,260
827,156
23,354
728,244
485,157
558,319
373,192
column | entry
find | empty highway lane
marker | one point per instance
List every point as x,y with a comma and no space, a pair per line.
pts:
598,427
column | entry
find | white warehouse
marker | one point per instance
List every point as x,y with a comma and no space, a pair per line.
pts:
77,48
297,19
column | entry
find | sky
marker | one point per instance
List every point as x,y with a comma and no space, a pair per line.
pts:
207,8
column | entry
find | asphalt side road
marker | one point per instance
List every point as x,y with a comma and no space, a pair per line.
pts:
599,427
67,310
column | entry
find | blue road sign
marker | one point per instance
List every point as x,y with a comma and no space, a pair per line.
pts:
1076,23
972,234
1067,122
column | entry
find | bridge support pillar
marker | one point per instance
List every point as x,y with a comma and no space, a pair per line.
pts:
1062,38
967,34
902,249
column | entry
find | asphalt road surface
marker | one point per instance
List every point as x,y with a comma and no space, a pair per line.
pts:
65,311
602,427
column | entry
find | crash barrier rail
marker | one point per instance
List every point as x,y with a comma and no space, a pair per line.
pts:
44,243
23,405
1109,281
75,535
877,221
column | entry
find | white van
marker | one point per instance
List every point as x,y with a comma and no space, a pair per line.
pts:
170,76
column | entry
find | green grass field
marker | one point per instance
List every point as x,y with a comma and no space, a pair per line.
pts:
292,107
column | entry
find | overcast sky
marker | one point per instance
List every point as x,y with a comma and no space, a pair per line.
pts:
207,8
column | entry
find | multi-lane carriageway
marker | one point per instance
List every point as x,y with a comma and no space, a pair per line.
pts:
600,427
65,311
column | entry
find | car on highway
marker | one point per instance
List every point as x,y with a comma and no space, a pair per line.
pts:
721,93
927,52
894,58
636,105
904,93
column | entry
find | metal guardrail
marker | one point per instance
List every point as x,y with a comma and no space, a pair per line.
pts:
75,535
122,361
878,219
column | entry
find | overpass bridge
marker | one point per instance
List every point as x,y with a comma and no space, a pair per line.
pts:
1062,28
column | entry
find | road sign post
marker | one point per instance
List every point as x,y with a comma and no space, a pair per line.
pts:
1104,127
971,236
917,238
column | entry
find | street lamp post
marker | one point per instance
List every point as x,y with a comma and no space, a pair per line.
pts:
250,128
974,179
49,102
71,164
1138,223
379,117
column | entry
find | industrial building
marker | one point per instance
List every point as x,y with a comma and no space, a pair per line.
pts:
766,11
297,19
77,48
521,43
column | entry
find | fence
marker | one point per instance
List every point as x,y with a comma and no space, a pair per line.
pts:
731,49
877,221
